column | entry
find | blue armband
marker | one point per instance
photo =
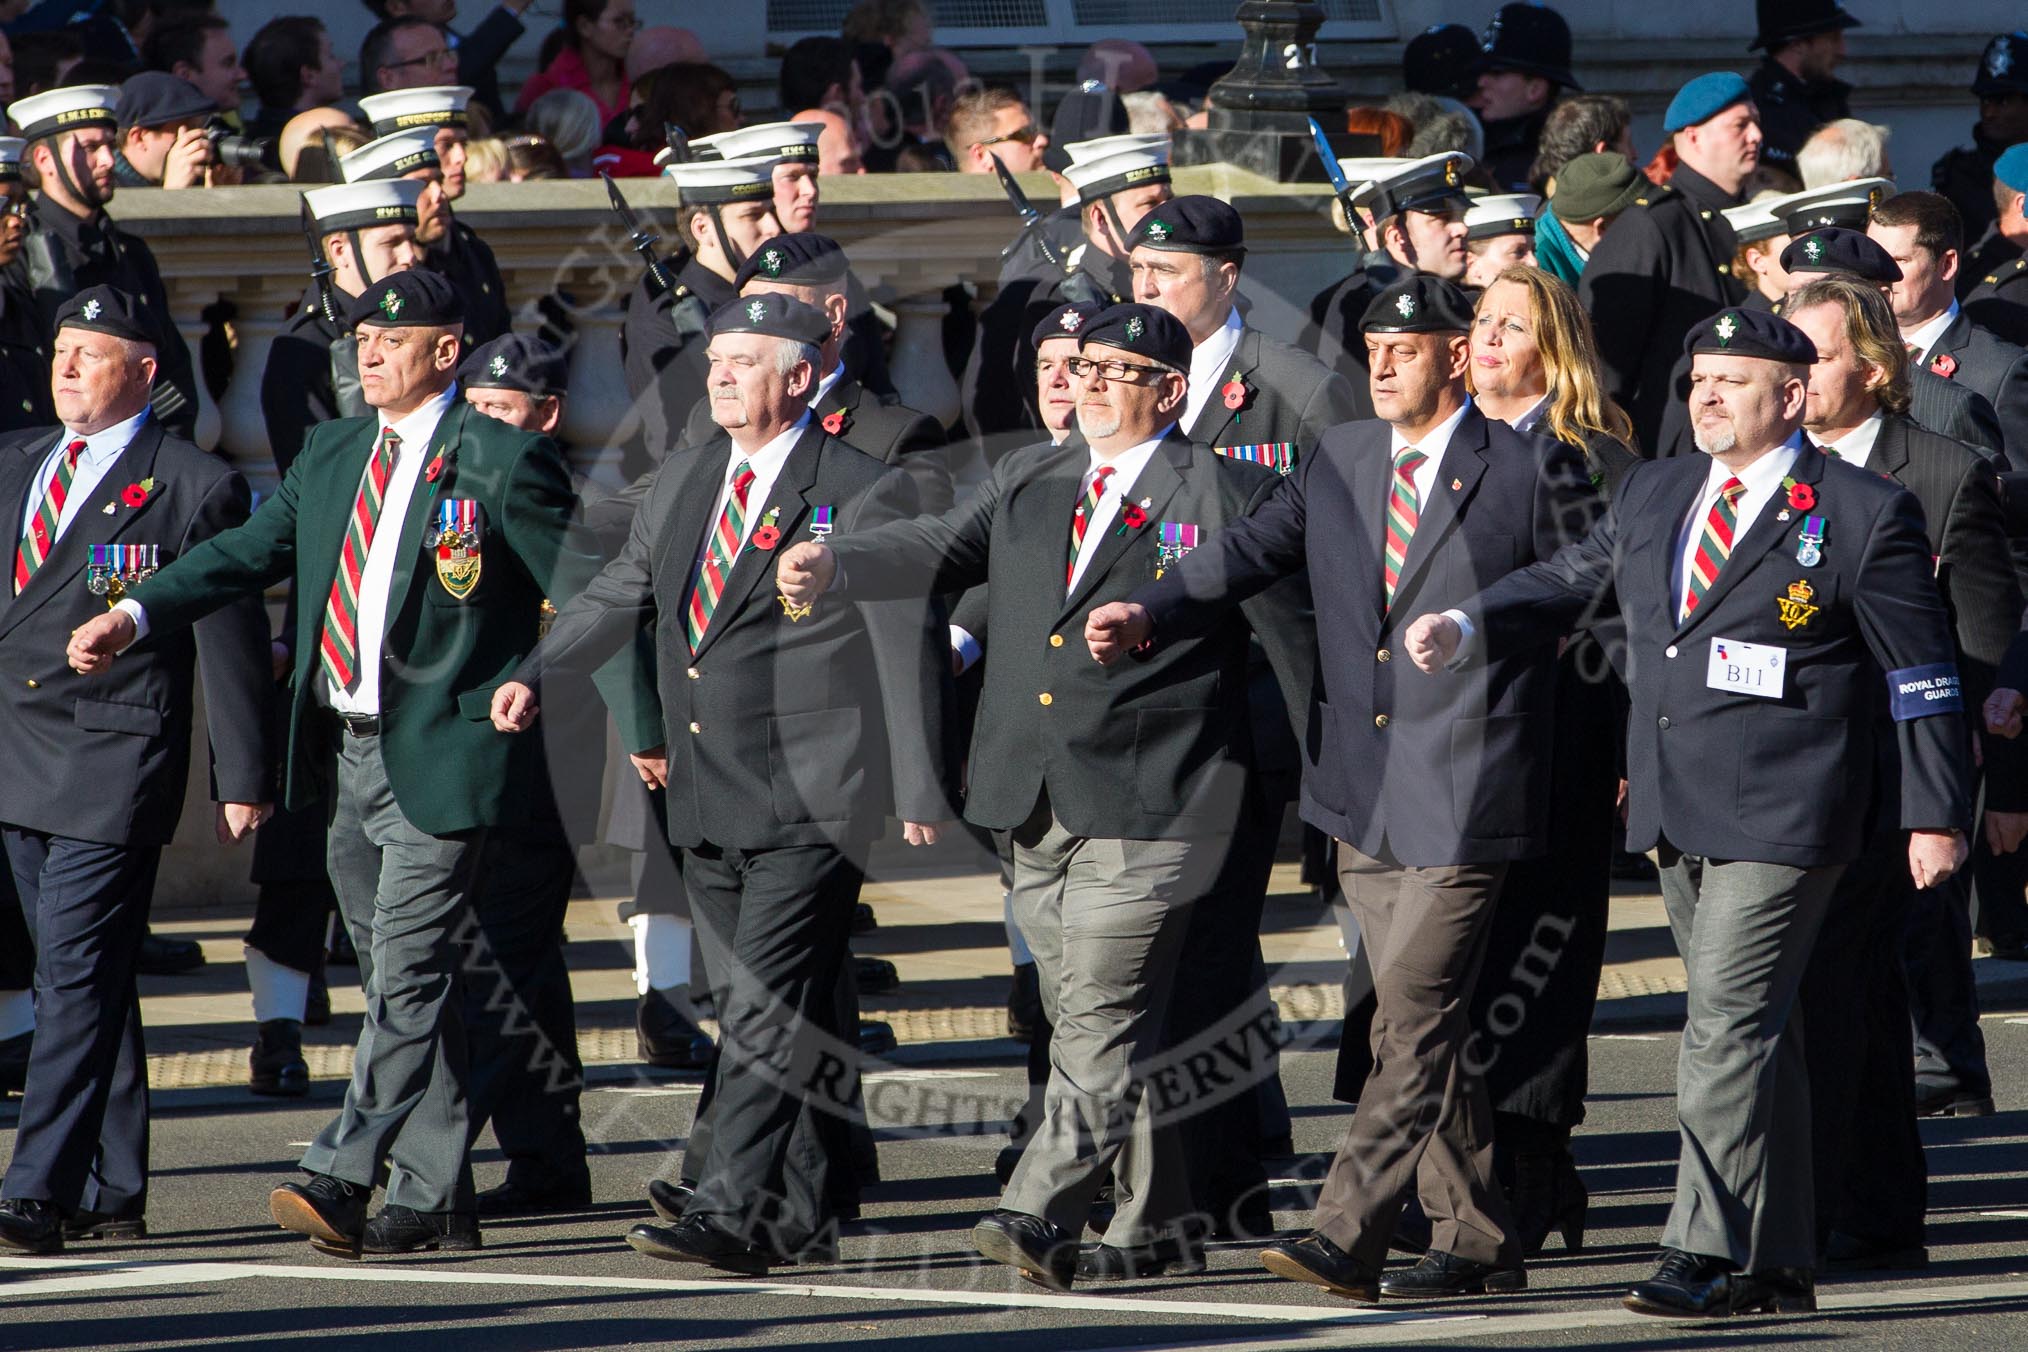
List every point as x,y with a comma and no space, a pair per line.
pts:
1918,692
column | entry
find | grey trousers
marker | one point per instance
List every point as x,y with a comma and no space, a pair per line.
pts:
403,894
1744,1190
1424,1122
1105,920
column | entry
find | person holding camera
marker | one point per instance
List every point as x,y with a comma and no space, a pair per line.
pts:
165,139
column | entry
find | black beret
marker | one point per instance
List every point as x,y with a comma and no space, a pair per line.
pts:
1069,320
156,98
1155,334
1846,253
1751,333
1418,303
514,362
412,299
1086,113
802,259
104,309
1193,224
775,315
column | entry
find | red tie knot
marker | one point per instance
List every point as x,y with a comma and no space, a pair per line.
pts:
74,450
1104,472
1733,490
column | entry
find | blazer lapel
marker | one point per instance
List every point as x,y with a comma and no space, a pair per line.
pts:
422,503
790,494
1215,417
1457,479
1956,337
1157,484
1767,531
1890,449
94,524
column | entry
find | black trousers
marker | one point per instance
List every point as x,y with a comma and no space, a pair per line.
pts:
1871,1180
525,1075
774,925
17,948
1943,994
292,912
82,1138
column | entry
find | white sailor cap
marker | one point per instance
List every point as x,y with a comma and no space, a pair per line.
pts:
1101,147
1506,213
1761,218
67,109
1427,184
1360,172
1129,167
406,109
11,148
359,206
391,156
773,141
709,182
1849,204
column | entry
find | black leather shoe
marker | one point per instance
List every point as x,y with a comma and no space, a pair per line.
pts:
329,1210
29,1225
863,919
1442,1274
275,1066
105,1225
517,1198
1316,1260
402,1229
1951,1102
1849,1253
670,1199
167,957
875,976
1039,1251
1163,1258
1024,1003
697,1240
14,1062
664,1036
876,1037
1692,1286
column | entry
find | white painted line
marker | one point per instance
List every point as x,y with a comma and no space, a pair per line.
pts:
2006,1215
909,1076
111,1275
1626,1037
646,1090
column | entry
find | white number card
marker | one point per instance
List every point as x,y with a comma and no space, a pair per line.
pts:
1746,668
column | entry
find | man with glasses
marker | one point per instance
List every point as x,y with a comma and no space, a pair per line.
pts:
404,54
478,52
989,122
1121,794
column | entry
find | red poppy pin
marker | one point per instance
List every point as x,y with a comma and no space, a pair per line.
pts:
767,535
835,422
433,469
1802,497
1944,364
136,494
1132,517
1234,392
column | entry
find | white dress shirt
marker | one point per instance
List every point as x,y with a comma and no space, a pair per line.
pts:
766,464
1433,447
1210,364
1856,447
102,448
1763,483
1120,484
1924,337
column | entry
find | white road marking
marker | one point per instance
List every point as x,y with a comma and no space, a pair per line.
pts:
646,1090
907,1076
2006,1215
84,1275
1626,1037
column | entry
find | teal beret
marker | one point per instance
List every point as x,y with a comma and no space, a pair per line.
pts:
2012,167
1703,99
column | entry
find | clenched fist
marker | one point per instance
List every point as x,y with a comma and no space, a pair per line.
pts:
95,643
805,572
514,707
1115,629
1432,641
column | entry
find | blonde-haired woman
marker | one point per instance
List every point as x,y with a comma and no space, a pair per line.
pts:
1534,365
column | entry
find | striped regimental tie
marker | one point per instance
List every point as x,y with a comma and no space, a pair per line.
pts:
1714,546
340,647
1081,519
40,537
726,538
1404,510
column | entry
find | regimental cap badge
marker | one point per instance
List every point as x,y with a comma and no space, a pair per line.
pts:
1135,328
498,366
92,308
390,303
1092,87
1813,248
1726,326
1071,321
1158,233
771,262
757,311
1406,304
1450,173
2001,59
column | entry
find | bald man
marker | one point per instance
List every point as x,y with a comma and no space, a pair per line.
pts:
837,150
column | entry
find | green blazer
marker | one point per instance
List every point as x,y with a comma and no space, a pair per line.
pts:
442,657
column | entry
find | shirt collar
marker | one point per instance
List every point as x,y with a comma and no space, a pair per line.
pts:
767,462
1436,443
1763,475
1128,464
1857,444
1924,338
417,427
103,445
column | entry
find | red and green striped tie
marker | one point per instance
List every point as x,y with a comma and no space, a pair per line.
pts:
40,537
1080,520
1404,510
1715,546
340,648
726,539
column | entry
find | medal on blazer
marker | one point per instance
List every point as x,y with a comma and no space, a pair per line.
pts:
114,568
821,526
1796,609
1810,542
1176,538
455,538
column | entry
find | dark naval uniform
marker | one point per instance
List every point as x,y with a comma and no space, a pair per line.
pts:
468,263
1999,302
24,355
1333,331
662,346
312,376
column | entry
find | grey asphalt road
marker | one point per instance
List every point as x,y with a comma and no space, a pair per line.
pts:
215,1273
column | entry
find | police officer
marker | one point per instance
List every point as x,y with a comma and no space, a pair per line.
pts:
24,348
1965,174
74,245
1997,300
1802,42
727,211
450,246
1524,64
1667,262
1118,180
